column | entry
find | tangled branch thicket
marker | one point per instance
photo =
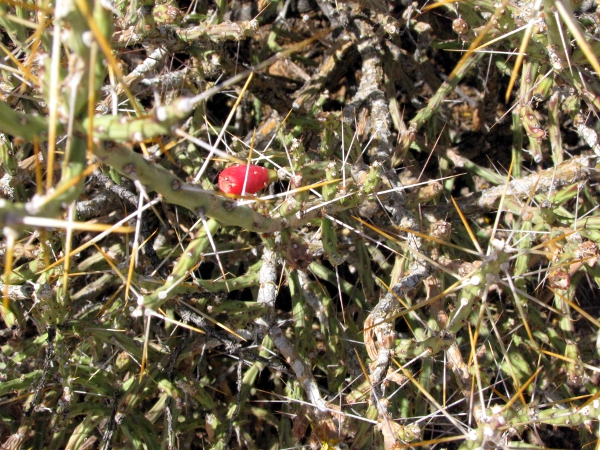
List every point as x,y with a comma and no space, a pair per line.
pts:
421,269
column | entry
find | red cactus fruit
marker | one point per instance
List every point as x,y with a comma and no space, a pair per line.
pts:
231,180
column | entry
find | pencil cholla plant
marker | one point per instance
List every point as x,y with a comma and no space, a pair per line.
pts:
408,257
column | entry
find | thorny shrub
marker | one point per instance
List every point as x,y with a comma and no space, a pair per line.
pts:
419,271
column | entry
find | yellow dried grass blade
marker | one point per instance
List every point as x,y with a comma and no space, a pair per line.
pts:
447,291
26,72
430,442
438,4
576,307
432,400
108,53
68,244
53,101
72,182
175,322
9,253
519,393
90,243
500,38
91,107
44,222
144,362
466,224
38,167
110,262
502,198
416,233
207,317
555,239
564,358
567,15
109,302
519,60
478,39
30,6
